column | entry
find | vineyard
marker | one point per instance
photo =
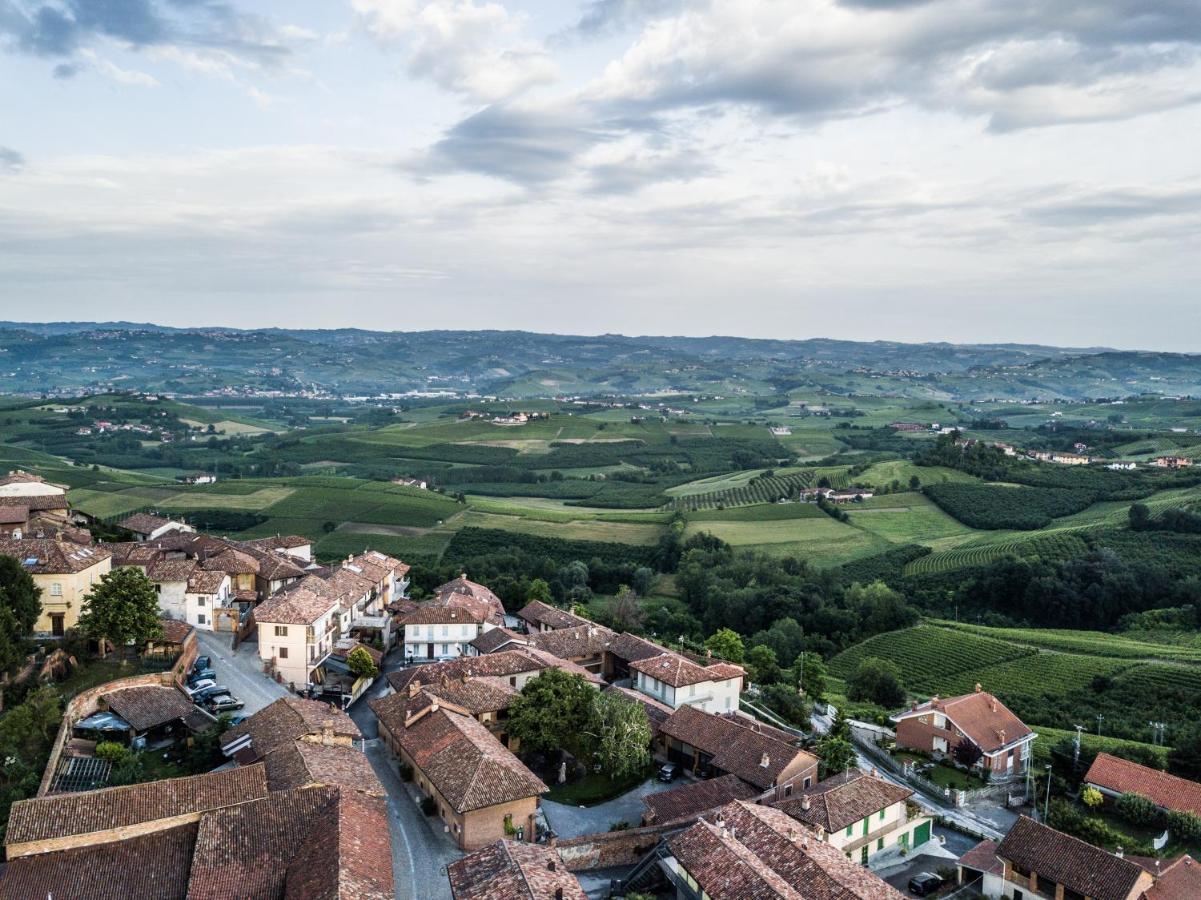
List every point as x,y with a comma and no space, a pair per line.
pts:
1035,674
1063,545
1094,643
993,507
762,489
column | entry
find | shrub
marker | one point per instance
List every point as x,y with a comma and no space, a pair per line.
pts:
429,806
877,680
1092,798
1138,810
111,751
1185,827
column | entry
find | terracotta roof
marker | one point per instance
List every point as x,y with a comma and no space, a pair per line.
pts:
280,542
63,815
20,476
49,557
274,565
679,671
165,570
149,706
204,581
843,800
691,800
735,745
981,716
306,843
441,615
470,768
983,858
461,585
475,696
505,663
230,559
579,642
1069,861
749,852
540,613
287,719
656,711
132,553
295,605
495,638
513,870
174,631
1180,880
14,515
37,501
150,867
145,523
632,648
303,762
1125,777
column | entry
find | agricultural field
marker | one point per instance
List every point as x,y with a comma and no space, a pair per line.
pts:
1052,546
822,541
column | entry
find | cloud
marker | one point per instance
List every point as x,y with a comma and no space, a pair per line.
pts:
604,17
474,49
1087,209
10,158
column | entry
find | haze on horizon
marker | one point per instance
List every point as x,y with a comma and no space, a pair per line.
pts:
918,170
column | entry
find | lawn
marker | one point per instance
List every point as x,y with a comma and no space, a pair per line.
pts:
942,774
594,788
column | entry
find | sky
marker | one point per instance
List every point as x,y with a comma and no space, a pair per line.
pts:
965,170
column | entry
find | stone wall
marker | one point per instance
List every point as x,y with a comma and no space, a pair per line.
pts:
613,848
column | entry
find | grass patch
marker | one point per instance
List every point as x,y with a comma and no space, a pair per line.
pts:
595,788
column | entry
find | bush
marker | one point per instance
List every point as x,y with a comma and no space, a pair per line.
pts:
429,806
406,772
1185,827
1138,810
877,680
1092,798
111,751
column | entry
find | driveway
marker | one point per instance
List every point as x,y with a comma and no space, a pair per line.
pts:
241,672
574,821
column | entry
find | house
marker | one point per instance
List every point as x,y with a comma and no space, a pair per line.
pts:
1039,861
583,645
748,851
908,426
208,596
495,640
1113,777
485,698
293,544
938,726
418,483
1121,466
513,870
52,509
981,867
304,762
691,801
441,632
64,572
734,744
197,478
622,652
677,681
147,527
284,722
539,616
465,588
152,715
480,790
1172,462
860,814
297,629
18,483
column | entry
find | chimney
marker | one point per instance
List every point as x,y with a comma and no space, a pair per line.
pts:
992,704
1119,853
875,772
806,803
708,653
550,865
466,675
1001,734
765,761
792,833
327,733
552,841
979,687
934,699
414,687
445,679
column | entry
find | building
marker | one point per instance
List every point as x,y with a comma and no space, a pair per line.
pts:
495,640
748,851
862,815
18,483
441,632
512,870
465,588
197,478
480,790
284,722
297,630
64,572
147,527
1172,462
1113,777
539,616
733,744
938,726
690,801
677,681
583,645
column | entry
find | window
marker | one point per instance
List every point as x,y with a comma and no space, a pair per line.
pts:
283,653
200,619
281,630
880,844
56,589
788,790
200,601
881,815
445,630
851,829
808,781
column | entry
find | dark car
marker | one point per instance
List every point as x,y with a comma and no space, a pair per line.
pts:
202,662
924,883
668,772
213,690
200,675
219,703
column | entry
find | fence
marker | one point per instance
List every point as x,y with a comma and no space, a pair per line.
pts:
951,796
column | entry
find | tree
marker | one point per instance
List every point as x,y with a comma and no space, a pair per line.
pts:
836,754
1185,758
813,676
727,644
19,594
359,662
763,666
121,609
1092,798
785,636
619,734
1140,516
967,754
538,590
642,580
552,711
878,681
625,610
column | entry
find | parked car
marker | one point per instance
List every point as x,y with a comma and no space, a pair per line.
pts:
201,675
924,883
203,694
202,662
194,686
219,703
237,720
668,772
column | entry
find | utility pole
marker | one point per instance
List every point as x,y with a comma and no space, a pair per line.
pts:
1047,804
1100,719
1157,729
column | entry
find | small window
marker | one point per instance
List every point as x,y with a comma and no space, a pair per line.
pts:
281,630
881,815
200,619
200,601
56,589
808,781
283,652
850,830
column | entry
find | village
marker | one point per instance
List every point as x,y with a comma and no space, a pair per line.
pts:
374,745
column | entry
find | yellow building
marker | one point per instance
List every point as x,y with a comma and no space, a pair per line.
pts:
65,573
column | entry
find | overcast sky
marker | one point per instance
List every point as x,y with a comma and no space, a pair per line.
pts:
976,170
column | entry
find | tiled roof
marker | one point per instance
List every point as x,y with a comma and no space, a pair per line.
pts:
274,565
1125,777
1069,861
280,542
735,746
505,663
144,523
229,559
441,615
495,638
38,501
174,631
981,716
302,763
150,867
205,581
843,800
461,585
62,815
470,768
168,570
579,642
983,858
690,800
14,515
656,711
149,706
287,719
1180,880
749,852
294,605
49,557
513,870
679,671
540,613
632,648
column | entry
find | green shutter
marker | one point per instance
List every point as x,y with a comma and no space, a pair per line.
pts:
921,834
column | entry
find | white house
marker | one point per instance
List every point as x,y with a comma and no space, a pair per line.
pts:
677,681
297,629
442,632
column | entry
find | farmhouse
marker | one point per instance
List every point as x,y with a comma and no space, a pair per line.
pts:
1172,462
938,726
677,681
19,483
1113,776
147,527
197,478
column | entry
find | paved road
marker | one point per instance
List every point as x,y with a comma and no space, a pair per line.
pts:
241,672
573,821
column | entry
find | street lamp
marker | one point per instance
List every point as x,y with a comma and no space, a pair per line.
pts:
1047,803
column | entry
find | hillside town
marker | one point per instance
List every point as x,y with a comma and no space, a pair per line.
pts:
370,743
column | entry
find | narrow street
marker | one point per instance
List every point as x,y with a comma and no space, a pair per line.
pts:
241,672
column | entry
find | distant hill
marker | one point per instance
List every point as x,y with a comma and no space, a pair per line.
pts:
84,356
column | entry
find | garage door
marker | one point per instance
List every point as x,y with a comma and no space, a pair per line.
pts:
921,834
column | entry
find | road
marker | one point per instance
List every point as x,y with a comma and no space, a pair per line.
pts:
241,672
